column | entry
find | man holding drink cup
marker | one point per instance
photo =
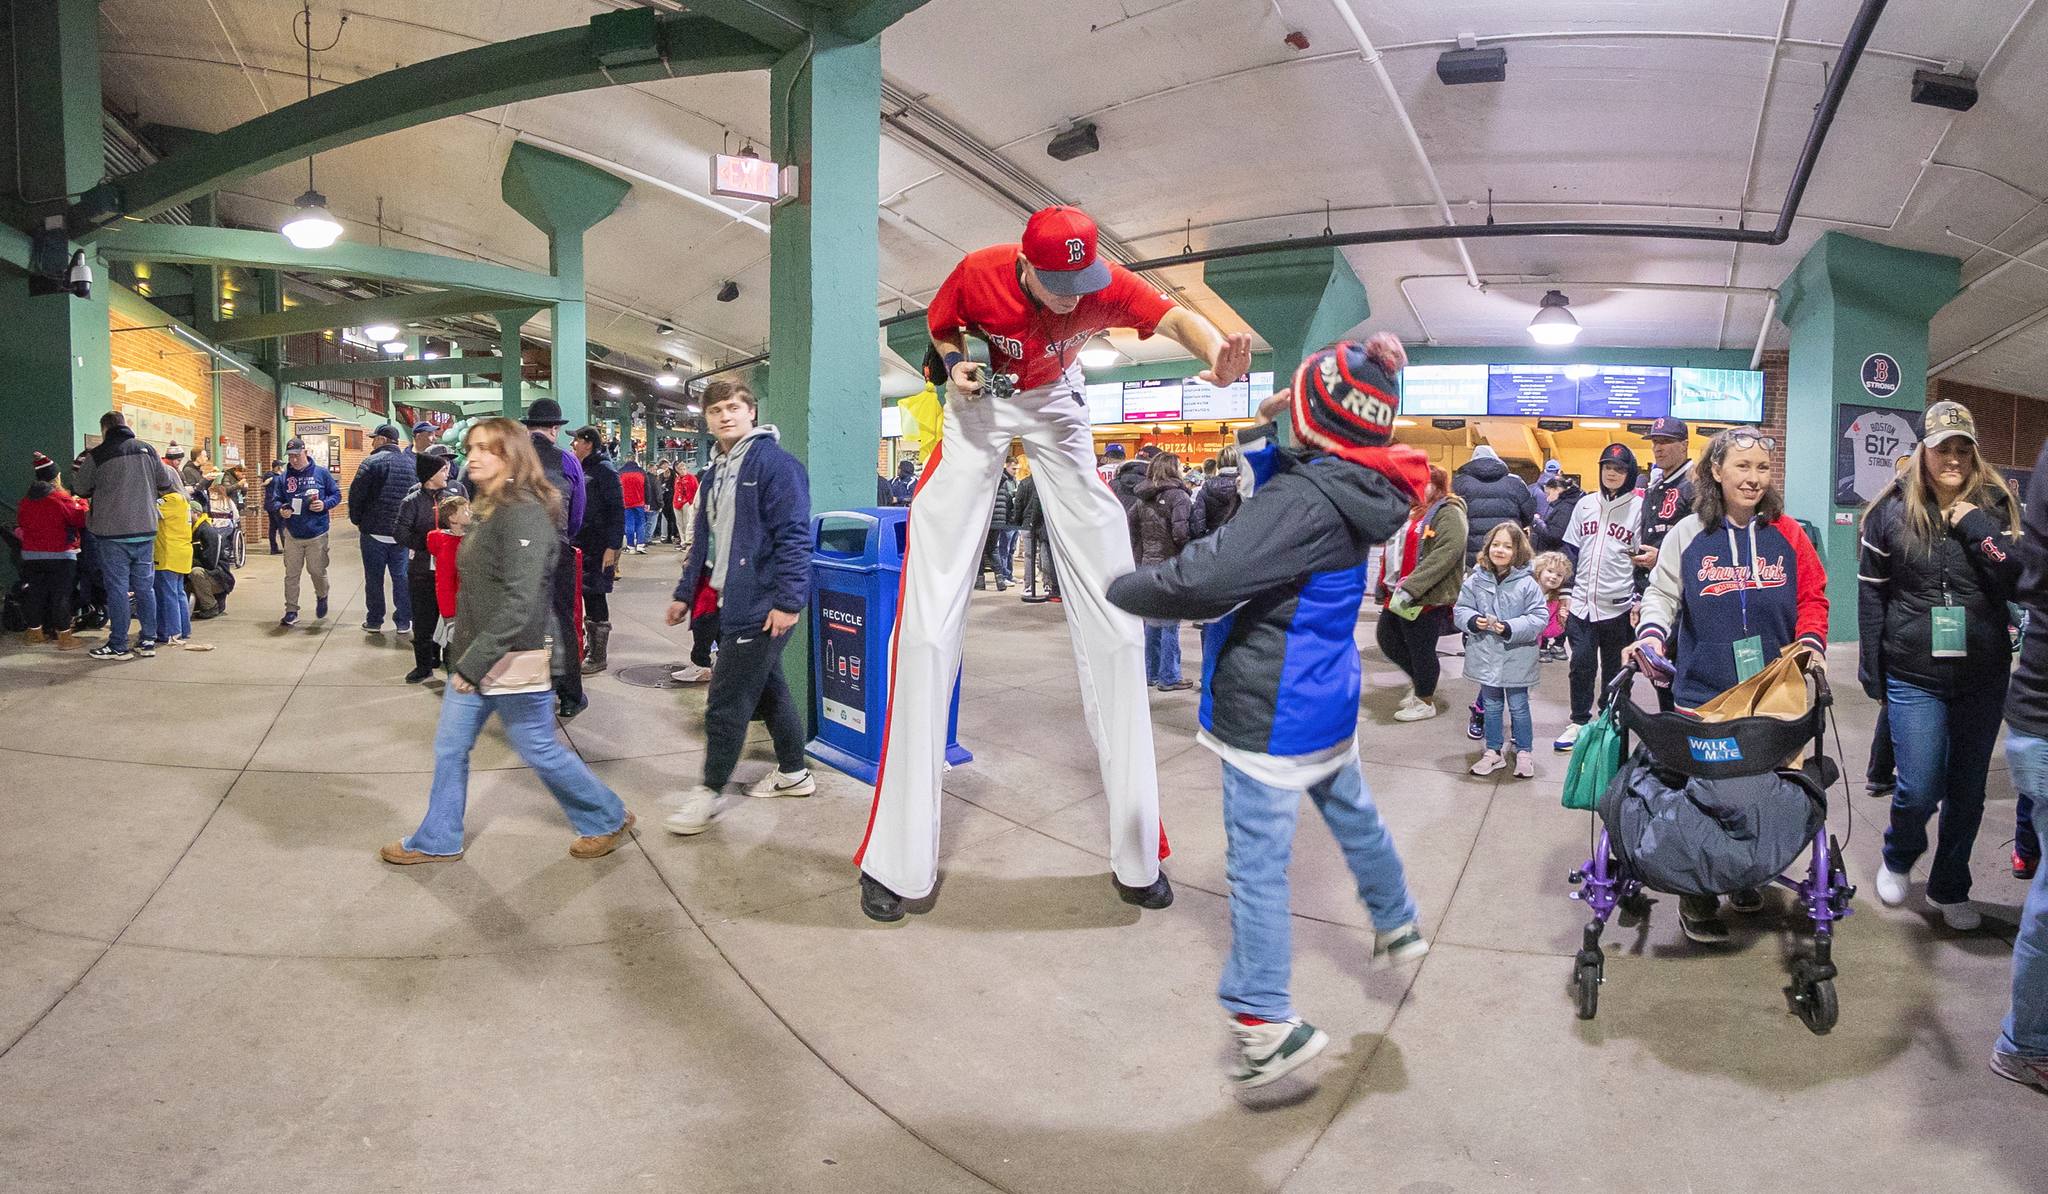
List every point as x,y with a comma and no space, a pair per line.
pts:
300,498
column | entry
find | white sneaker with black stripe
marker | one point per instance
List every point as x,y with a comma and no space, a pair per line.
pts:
1272,1049
783,783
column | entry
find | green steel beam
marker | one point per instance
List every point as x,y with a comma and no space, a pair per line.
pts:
395,367
429,304
864,19
626,46
778,23
232,246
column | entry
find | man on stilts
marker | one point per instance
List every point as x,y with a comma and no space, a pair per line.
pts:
1035,304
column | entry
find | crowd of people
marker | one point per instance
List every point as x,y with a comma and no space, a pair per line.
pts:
502,558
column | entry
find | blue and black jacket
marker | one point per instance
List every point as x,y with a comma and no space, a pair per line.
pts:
769,562
1280,586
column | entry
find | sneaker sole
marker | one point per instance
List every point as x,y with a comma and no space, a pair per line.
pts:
1700,938
685,831
2007,1067
1311,1049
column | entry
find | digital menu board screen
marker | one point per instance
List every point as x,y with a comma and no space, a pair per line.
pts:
1200,400
1531,390
1718,395
1106,402
1151,401
1623,391
1443,390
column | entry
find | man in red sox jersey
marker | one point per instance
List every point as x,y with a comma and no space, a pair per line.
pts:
1035,303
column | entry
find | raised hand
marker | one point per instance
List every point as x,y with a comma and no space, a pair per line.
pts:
1233,359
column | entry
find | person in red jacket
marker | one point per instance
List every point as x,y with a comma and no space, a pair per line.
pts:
686,508
48,525
452,517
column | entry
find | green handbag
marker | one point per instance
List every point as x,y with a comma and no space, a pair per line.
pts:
1595,758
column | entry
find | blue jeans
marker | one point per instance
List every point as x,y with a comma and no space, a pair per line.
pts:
129,564
1006,555
173,607
1943,749
378,559
1259,823
1162,652
529,721
636,526
1517,701
2026,1024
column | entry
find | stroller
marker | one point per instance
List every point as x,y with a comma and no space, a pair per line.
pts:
1702,808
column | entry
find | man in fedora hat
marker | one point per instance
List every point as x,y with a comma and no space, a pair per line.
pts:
565,472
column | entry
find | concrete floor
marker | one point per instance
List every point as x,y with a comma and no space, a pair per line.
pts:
211,983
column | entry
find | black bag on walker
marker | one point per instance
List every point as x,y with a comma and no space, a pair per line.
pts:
1690,836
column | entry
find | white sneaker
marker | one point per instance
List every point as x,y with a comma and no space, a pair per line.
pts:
1489,763
1421,710
700,804
784,783
1568,739
1525,765
1960,916
1891,886
1269,1051
690,673
1396,946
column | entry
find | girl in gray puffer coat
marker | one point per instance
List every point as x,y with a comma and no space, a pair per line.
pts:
1502,609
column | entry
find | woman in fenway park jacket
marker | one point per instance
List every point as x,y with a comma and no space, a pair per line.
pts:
1735,583
1937,568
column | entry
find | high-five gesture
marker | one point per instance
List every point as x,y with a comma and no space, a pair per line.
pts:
1232,360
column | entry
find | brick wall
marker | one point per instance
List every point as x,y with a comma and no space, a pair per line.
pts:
248,416
1775,366
2010,427
165,377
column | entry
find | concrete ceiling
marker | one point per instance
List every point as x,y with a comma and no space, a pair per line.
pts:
1217,132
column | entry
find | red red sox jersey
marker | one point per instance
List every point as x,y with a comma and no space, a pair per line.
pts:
984,295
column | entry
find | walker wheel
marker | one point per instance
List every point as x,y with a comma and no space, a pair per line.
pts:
1816,1006
1586,986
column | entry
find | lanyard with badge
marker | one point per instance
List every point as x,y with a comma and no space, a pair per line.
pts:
1749,650
1950,638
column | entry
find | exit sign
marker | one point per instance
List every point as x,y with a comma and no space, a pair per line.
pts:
742,176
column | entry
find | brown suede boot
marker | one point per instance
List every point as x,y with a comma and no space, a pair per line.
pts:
67,641
33,636
603,843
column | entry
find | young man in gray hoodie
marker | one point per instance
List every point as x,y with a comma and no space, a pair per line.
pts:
124,478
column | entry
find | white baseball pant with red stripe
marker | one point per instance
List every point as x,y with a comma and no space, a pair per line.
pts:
1091,544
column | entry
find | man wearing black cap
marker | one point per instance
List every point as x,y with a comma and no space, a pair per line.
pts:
565,473
1035,303
380,485
1668,499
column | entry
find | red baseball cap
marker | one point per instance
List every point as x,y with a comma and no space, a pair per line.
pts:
1059,242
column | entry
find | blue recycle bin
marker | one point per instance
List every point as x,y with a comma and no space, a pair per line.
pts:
857,571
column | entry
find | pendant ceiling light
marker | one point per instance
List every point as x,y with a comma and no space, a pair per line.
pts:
1098,353
1554,324
667,378
311,225
380,333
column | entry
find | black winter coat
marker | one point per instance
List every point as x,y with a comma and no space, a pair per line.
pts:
1492,495
1003,515
1129,476
1030,511
1159,522
416,517
1219,500
2026,705
1549,534
1974,565
380,483
604,521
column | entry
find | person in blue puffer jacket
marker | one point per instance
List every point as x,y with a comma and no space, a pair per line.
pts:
1280,586
1503,610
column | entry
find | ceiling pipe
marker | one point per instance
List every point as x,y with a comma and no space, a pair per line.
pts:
1415,146
1756,357
1756,146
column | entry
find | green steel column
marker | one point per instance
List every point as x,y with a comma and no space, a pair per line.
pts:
56,373
563,198
824,271
509,323
1848,299
1297,302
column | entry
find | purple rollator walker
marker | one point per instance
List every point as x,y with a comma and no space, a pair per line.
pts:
1672,741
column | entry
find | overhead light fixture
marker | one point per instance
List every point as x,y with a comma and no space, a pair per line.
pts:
430,355
1957,93
1079,141
378,333
667,378
694,409
394,348
1580,372
311,226
1600,424
1554,325
1098,353
728,292
1488,65
613,390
